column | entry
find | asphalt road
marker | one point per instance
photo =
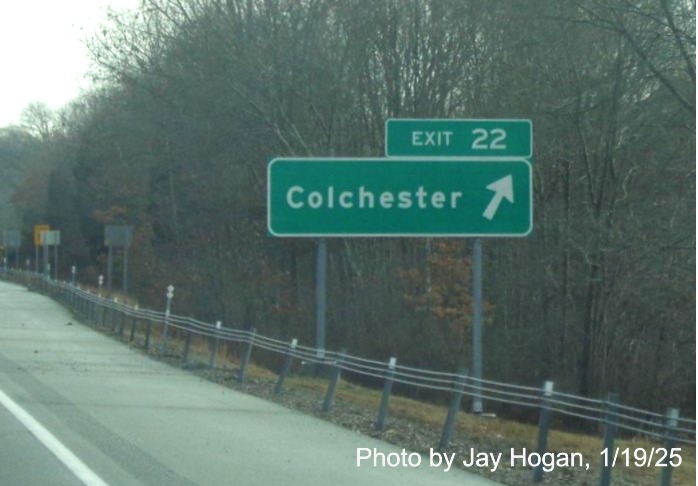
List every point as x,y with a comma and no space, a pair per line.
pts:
77,407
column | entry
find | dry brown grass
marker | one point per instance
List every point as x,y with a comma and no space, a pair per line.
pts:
510,432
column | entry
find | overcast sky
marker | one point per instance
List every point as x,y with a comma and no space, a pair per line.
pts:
42,51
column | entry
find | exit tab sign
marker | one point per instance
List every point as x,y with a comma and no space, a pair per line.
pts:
458,138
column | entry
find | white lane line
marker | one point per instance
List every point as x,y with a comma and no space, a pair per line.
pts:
70,460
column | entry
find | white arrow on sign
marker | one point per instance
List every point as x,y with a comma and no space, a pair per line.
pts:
503,189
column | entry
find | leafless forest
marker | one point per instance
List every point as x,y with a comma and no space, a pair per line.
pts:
193,98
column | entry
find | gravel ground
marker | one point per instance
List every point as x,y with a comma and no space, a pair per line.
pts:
410,434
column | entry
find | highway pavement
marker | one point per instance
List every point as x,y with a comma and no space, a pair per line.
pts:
77,407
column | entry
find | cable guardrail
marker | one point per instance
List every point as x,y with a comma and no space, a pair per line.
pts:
631,419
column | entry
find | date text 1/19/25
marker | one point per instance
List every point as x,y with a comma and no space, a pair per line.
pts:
639,457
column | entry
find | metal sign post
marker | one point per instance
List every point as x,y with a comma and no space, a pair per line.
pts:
124,280
12,239
38,230
109,265
118,236
320,297
477,325
51,238
46,269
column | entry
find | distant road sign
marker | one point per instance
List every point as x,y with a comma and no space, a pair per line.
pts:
51,238
390,197
115,235
11,239
458,138
38,229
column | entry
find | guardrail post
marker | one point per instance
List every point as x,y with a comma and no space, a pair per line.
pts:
112,315
285,367
334,379
134,320
609,435
122,321
166,324
385,398
103,308
214,346
543,428
454,408
87,308
74,297
187,345
671,421
246,356
148,328
78,300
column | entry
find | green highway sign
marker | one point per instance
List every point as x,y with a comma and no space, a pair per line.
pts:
458,138
393,197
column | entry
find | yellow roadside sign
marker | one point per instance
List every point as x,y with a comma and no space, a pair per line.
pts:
38,229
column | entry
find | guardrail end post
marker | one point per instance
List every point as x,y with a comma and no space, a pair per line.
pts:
122,323
166,322
334,379
112,315
148,328
134,321
609,435
543,427
187,345
246,356
385,397
454,408
671,421
285,367
214,346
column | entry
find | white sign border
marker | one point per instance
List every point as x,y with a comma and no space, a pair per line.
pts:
399,235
